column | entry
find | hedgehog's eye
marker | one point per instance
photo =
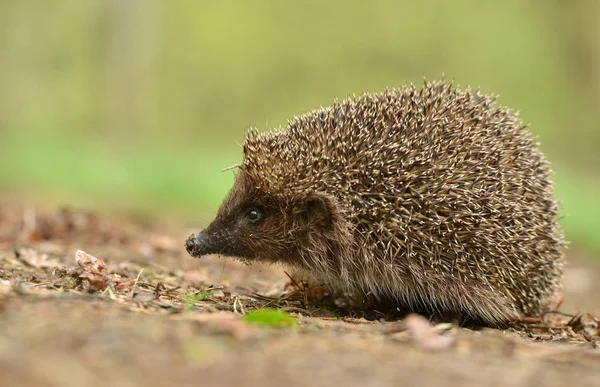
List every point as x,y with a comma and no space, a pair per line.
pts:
254,215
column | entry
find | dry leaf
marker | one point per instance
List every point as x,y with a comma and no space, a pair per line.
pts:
587,323
144,297
89,263
94,270
122,284
425,336
97,281
32,258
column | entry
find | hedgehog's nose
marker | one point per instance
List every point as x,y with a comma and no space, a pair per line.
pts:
191,244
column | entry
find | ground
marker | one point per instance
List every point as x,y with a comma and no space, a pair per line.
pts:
94,300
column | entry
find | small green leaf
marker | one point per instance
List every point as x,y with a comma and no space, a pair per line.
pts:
269,317
192,299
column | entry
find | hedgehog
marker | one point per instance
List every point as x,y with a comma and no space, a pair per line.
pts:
433,199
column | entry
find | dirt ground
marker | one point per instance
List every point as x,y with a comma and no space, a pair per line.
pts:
148,314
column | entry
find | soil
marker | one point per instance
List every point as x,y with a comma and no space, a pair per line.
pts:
88,300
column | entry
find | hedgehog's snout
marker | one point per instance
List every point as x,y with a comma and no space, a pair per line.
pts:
191,243
200,244
207,242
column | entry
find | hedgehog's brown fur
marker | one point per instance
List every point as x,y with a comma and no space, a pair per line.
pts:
432,198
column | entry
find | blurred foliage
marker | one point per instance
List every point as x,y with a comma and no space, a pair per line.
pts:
269,317
139,104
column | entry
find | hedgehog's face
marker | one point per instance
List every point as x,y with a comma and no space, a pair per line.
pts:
253,225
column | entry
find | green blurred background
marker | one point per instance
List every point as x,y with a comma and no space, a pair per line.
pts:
137,105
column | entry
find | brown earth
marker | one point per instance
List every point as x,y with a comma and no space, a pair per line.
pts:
129,320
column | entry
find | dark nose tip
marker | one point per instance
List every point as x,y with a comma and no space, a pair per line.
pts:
190,244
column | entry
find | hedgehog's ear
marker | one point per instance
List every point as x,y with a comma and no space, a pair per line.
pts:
317,209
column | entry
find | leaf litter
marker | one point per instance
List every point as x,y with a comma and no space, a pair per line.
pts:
140,277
